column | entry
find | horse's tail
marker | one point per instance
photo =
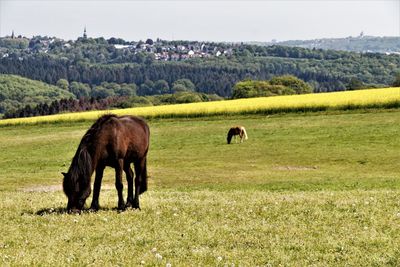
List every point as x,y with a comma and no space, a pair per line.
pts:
245,134
143,180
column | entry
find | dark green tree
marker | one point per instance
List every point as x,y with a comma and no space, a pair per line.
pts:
149,41
101,92
79,89
183,85
126,90
355,84
299,86
396,82
63,84
161,87
146,88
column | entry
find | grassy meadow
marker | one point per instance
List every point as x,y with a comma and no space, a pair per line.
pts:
319,189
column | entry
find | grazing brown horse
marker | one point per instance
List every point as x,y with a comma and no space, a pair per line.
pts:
111,141
237,131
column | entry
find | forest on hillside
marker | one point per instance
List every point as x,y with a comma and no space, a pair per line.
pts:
361,43
95,73
18,92
212,67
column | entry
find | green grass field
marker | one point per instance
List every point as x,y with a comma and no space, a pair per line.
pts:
318,189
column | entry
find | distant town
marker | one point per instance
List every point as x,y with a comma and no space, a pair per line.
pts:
161,50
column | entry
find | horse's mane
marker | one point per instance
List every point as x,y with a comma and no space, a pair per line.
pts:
81,165
89,136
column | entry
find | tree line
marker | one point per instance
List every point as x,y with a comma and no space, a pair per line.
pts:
111,102
94,64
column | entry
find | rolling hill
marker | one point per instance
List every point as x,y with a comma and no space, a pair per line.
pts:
17,92
363,44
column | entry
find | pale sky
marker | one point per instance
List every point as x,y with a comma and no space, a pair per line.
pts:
206,20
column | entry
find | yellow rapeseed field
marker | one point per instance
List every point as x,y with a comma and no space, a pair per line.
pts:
384,97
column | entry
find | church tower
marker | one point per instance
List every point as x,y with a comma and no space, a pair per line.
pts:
84,33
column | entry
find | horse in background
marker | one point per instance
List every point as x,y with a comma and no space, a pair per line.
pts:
237,131
111,141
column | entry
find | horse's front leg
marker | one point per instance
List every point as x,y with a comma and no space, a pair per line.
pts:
96,188
119,185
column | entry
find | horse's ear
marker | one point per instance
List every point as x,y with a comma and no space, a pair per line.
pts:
63,173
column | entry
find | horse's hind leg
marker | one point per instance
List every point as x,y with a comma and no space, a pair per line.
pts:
119,185
129,179
96,187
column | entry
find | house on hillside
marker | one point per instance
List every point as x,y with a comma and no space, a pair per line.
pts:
119,46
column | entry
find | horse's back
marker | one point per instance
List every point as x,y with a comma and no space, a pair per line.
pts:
133,129
126,137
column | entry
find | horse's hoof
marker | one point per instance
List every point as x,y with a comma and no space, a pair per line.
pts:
93,209
121,207
74,211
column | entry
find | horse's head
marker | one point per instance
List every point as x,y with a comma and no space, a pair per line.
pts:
76,181
71,190
229,137
75,192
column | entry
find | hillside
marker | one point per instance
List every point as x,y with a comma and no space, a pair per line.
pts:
213,68
17,92
364,44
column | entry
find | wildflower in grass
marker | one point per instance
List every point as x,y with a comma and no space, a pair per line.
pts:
158,256
142,262
168,264
154,250
219,258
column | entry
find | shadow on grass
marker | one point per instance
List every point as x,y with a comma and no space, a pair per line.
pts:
60,211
